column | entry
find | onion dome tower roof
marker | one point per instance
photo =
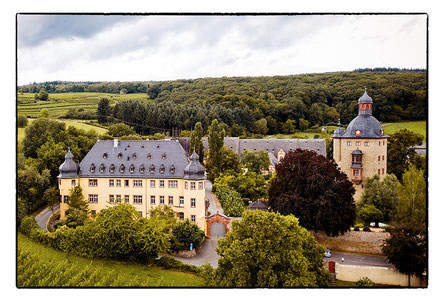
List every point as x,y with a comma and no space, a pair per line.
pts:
365,98
194,170
68,169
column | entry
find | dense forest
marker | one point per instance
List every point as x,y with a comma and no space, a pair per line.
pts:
261,105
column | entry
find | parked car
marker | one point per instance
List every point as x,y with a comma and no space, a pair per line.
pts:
328,253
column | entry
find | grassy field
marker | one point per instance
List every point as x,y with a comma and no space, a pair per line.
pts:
80,124
93,271
59,103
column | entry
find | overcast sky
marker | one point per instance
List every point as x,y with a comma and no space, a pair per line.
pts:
142,48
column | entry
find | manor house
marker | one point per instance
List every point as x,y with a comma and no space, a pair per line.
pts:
360,150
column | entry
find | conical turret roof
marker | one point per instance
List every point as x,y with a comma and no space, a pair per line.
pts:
194,170
69,169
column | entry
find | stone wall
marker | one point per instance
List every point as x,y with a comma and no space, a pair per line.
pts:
357,242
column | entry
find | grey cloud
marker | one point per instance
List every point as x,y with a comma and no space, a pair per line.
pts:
35,29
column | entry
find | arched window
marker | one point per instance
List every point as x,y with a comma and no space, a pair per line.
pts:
142,169
162,168
172,169
112,168
152,168
122,168
92,168
134,155
164,156
131,168
149,155
105,155
102,168
120,155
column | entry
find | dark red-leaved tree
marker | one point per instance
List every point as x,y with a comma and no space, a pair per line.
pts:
311,187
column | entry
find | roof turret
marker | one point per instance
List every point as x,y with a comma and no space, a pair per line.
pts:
69,169
194,170
365,98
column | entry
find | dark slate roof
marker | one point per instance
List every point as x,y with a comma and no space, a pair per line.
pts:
357,152
365,98
166,155
272,159
356,165
269,145
420,149
258,205
368,125
69,168
194,170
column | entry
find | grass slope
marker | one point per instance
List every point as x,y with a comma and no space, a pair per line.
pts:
52,264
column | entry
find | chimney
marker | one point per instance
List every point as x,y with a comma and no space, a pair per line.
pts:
115,142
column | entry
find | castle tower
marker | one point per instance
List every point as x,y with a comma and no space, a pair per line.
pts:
361,150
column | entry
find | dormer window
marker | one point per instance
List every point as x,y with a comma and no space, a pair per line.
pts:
134,155
120,155
149,155
142,169
131,168
105,155
162,168
164,156
102,168
172,169
112,168
122,168
92,168
152,168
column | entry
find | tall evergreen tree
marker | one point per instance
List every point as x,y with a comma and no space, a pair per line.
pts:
196,141
77,212
215,153
103,110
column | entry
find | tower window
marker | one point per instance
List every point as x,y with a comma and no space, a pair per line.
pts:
366,143
357,143
349,143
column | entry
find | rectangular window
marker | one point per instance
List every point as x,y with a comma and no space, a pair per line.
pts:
171,200
192,185
182,201
193,218
93,182
92,213
383,157
181,216
111,183
162,200
93,198
172,184
126,199
141,213
356,172
118,183
152,183
162,184
378,171
200,185
118,198
382,171
186,185
137,183
65,199
366,143
378,158
111,198
152,199
138,199
357,143
72,182
383,143
192,203
349,143
126,183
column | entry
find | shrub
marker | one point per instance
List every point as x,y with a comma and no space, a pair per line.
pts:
359,225
364,282
28,224
186,233
170,263
366,229
356,229
22,121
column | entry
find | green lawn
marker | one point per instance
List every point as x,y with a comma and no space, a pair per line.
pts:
104,271
418,127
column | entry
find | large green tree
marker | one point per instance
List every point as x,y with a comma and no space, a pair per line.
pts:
406,249
230,200
369,213
256,161
251,185
196,142
267,249
31,185
103,110
311,187
39,132
400,152
382,194
412,197
77,212
215,153
185,234
120,129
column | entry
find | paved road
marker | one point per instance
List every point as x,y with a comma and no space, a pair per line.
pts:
357,259
205,254
43,217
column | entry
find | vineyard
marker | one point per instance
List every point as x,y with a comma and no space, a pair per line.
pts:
59,103
40,266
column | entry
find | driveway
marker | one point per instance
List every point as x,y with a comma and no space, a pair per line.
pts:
358,259
43,217
205,254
